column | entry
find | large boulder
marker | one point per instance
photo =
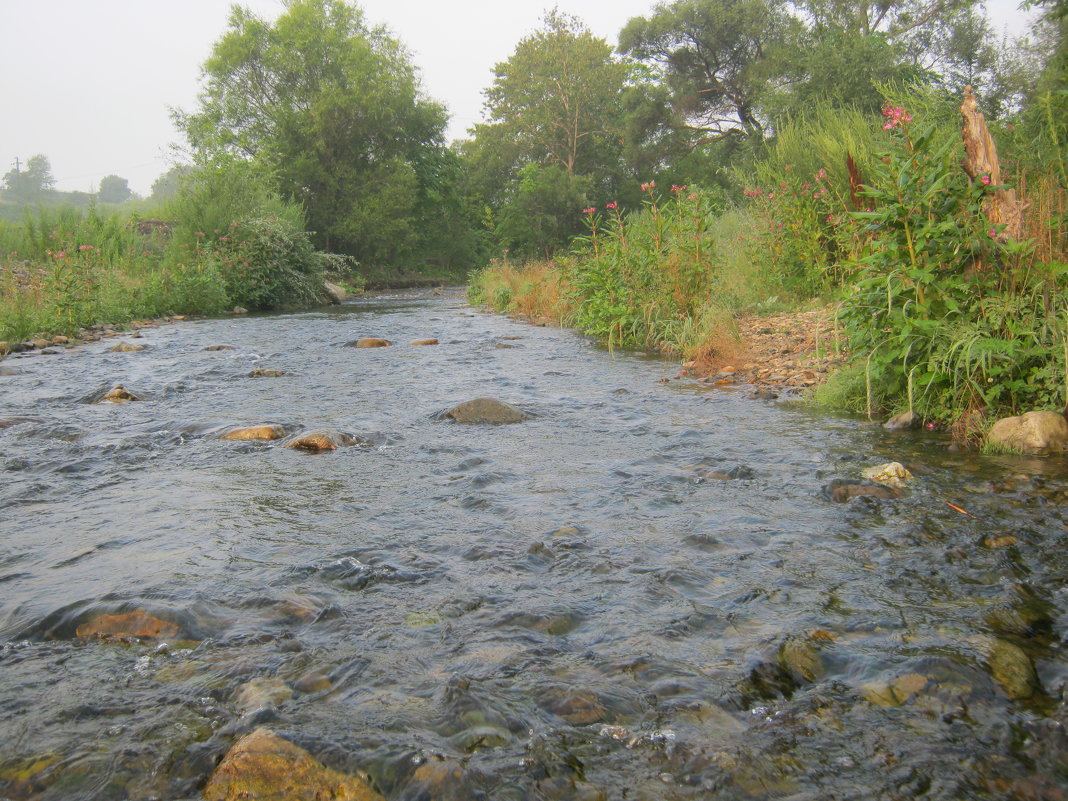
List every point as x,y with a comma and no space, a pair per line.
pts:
903,422
335,293
485,410
1034,432
262,766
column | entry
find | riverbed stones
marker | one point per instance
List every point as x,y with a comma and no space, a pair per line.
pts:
321,440
427,341
126,347
266,432
130,624
219,347
262,766
370,342
801,659
1033,432
894,692
485,410
266,372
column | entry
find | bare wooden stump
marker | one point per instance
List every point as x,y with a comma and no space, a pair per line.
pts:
1002,207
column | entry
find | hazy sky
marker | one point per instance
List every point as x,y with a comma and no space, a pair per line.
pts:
89,83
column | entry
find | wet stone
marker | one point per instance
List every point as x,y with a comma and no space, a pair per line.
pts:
126,347
128,625
370,342
266,432
118,394
265,372
262,766
485,410
260,693
1034,432
321,440
219,347
312,682
428,341
903,422
1012,668
843,489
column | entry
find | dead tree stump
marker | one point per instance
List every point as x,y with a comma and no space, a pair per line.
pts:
1002,207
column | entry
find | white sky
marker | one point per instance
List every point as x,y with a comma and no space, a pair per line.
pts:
88,83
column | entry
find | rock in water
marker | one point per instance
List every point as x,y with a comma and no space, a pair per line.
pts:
266,372
219,347
322,440
127,347
429,341
131,624
260,693
1034,432
262,766
268,431
371,342
843,489
335,293
903,422
485,410
892,474
1013,670
118,394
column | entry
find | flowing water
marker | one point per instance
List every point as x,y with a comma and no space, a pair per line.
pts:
577,606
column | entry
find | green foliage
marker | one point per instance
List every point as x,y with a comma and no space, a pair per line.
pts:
946,319
114,189
30,183
636,279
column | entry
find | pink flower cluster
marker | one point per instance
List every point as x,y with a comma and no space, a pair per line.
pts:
590,210
895,115
612,206
676,188
648,186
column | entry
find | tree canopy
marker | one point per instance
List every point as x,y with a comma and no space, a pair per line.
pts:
333,108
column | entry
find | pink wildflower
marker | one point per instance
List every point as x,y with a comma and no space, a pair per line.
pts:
590,210
694,197
993,231
611,205
85,247
985,180
821,174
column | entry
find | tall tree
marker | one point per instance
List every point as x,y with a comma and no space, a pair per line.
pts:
114,189
717,56
333,108
556,130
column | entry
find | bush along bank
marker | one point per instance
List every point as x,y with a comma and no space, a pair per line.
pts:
64,271
950,290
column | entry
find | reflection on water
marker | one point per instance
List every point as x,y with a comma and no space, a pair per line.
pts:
639,592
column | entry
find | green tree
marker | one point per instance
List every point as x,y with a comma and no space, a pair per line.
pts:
114,189
718,57
557,130
333,109
30,183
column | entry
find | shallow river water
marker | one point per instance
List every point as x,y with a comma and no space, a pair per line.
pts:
571,607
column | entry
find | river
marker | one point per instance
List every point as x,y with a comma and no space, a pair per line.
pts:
642,591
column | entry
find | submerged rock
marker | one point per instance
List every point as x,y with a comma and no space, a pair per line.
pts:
321,440
1013,670
485,410
126,347
903,422
892,474
219,347
117,394
1034,432
370,342
844,489
267,432
262,766
895,692
802,660
264,372
130,624
260,693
